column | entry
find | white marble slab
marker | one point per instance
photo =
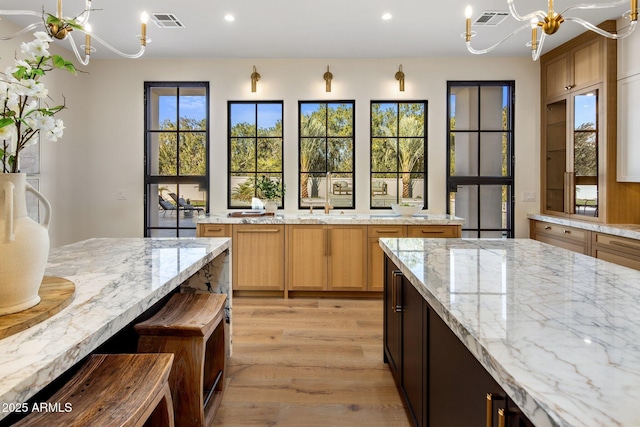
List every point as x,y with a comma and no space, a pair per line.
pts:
559,331
116,280
632,231
335,217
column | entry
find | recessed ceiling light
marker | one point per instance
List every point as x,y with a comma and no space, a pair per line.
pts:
229,17
386,16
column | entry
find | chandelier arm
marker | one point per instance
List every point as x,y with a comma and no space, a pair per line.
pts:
114,50
490,48
85,14
22,31
535,54
602,32
86,59
21,12
540,14
595,5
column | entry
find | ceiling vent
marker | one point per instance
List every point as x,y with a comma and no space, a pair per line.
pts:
166,20
490,19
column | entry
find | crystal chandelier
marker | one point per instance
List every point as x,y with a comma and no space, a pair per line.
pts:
550,22
59,27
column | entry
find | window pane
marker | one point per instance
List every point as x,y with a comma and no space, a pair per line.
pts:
313,155
464,204
383,155
493,154
269,119
269,154
243,154
242,188
340,121
412,188
340,155
464,154
341,190
586,111
411,155
243,119
463,108
193,108
163,111
493,104
493,212
384,119
383,190
412,120
313,119
312,189
164,154
193,154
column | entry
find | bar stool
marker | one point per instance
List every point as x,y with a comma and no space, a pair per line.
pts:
112,390
191,326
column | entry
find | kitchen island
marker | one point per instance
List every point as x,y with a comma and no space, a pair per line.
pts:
558,331
116,280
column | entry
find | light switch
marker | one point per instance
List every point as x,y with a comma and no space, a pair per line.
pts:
121,195
528,196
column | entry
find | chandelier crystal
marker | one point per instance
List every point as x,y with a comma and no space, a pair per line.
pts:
59,27
550,22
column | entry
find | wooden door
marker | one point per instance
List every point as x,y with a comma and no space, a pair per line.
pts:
555,76
347,258
258,257
307,257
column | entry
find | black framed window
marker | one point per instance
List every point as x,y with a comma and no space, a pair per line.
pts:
480,156
255,141
176,158
398,153
326,132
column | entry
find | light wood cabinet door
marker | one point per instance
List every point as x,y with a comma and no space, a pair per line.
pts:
587,66
555,76
258,257
307,248
347,260
376,255
214,230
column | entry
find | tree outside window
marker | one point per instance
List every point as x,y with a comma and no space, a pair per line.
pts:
398,147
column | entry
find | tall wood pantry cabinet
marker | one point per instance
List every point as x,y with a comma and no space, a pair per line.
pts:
578,147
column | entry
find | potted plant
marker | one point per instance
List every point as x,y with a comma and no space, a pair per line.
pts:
270,191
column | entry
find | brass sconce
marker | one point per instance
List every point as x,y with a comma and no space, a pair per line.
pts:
327,78
400,78
254,79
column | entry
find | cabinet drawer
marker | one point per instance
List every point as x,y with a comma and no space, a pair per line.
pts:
387,231
617,258
433,231
616,243
214,230
564,244
560,231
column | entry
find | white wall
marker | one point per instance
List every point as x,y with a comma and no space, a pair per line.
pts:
101,153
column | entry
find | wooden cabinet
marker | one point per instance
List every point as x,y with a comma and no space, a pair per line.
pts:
441,382
628,129
214,230
579,123
258,257
562,236
326,258
376,255
618,250
434,231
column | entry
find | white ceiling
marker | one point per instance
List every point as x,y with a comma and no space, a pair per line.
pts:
307,28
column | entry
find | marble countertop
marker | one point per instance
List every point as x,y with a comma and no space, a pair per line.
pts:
116,280
335,217
632,231
558,330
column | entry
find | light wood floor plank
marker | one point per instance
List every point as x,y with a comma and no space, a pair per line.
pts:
308,362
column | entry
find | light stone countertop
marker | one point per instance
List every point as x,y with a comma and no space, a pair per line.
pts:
116,280
335,217
558,330
631,231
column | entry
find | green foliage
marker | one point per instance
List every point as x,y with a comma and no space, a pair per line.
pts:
270,189
192,148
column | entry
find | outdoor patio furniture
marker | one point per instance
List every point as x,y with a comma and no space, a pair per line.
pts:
183,205
342,187
167,206
379,187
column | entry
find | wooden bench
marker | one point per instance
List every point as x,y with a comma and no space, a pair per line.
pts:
119,390
191,326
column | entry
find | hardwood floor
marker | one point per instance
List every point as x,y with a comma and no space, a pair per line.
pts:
308,362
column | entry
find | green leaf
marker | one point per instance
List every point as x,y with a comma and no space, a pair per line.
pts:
51,19
5,122
61,63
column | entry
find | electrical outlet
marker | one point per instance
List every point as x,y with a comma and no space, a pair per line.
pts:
121,195
528,196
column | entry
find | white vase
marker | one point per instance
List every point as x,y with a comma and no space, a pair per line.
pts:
24,245
270,206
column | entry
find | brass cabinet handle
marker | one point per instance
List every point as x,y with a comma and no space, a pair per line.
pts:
501,417
565,231
208,229
259,230
326,243
489,410
432,232
388,231
329,244
624,245
397,275
547,227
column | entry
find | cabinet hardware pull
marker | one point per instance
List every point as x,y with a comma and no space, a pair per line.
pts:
209,229
326,243
624,245
389,231
260,230
432,232
397,275
490,398
565,231
501,417
329,244
547,227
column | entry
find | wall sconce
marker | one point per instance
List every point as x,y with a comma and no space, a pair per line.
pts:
327,78
400,78
254,79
